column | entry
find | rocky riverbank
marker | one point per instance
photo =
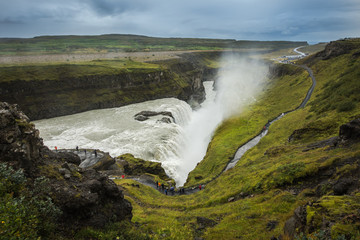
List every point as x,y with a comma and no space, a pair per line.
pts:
84,196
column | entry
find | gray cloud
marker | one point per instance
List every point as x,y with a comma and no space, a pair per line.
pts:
320,20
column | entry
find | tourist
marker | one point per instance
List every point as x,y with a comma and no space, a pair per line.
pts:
95,153
199,186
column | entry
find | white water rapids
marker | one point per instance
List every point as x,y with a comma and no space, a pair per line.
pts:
178,146
116,131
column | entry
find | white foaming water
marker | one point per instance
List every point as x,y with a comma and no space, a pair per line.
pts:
178,146
239,80
116,131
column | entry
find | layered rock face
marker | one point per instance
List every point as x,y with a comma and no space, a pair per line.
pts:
85,196
40,98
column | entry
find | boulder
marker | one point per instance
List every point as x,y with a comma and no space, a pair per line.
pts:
296,223
140,118
165,120
231,199
102,163
350,131
145,115
342,186
19,140
69,157
137,166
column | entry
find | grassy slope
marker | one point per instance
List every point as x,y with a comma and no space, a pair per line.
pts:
236,131
264,170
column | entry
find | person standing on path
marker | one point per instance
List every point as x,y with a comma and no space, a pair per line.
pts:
200,186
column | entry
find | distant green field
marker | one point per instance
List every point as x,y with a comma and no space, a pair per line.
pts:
126,43
54,71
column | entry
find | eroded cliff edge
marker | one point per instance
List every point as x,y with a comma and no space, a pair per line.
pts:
82,197
64,93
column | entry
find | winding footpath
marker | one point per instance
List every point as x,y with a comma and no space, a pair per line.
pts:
242,149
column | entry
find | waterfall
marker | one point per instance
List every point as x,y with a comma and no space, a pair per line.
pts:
179,145
116,131
238,82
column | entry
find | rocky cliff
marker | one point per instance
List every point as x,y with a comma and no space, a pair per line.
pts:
84,196
68,94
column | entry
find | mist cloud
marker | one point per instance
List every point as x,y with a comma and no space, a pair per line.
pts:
238,83
240,80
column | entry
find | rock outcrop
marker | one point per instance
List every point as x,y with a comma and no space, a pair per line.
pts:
85,196
336,48
330,186
350,131
137,166
145,115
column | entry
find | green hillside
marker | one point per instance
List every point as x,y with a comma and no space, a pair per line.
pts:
127,43
302,181
292,168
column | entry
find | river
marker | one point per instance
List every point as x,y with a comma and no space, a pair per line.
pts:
179,145
116,131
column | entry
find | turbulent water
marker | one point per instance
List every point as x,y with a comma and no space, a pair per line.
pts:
116,131
179,146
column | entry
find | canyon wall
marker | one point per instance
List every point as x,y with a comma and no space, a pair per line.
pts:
41,99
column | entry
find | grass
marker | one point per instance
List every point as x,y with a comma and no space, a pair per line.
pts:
339,210
341,91
255,198
311,49
238,130
259,182
55,71
127,43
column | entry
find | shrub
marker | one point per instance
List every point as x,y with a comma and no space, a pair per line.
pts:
345,106
26,210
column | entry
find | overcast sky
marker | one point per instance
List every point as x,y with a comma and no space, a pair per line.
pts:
310,20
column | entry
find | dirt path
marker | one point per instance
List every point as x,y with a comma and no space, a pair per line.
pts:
239,153
254,141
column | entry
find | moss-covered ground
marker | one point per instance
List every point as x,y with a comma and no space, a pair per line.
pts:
255,198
